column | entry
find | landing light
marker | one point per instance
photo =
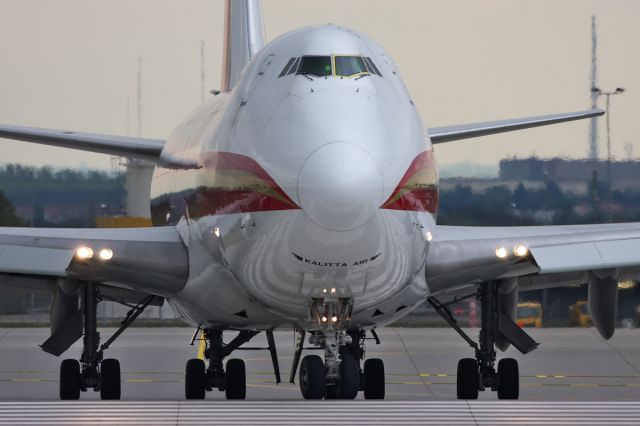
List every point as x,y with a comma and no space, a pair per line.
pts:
626,285
429,236
520,250
84,253
334,319
106,254
501,252
216,232
324,319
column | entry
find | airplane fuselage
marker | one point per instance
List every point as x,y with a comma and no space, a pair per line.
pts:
295,185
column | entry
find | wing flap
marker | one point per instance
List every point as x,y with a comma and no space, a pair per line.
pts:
587,256
466,131
123,146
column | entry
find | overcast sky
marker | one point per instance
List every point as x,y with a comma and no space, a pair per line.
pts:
71,64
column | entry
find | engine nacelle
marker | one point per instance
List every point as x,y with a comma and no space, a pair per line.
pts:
508,302
603,301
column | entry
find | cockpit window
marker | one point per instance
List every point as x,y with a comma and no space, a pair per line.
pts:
325,66
286,67
294,66
372,67
350,65
319,66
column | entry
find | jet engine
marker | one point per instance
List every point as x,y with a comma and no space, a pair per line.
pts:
508,304
603,301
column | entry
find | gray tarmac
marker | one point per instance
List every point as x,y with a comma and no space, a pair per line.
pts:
420,363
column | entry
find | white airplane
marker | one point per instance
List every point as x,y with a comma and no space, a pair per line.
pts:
303,196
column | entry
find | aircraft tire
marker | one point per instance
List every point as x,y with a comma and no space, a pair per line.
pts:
508,379
468,380
236,379
110,379
311,377
195,379
332,392
349,376
70,379
374,386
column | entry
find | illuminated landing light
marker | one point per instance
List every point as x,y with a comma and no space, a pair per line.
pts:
333,291
334,319
626,285
429,236
520,250
106,254
216,232
501,252
84,253
324,319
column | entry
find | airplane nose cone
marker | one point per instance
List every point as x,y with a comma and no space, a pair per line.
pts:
340,186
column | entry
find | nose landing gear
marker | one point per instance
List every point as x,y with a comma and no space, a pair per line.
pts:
340,375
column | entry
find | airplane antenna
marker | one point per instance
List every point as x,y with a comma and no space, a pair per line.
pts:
139,96
202,74
593,127
128,115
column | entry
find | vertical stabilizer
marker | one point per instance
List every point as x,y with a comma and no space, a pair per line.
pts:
243,38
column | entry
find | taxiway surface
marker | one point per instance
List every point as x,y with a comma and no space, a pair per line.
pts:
569,365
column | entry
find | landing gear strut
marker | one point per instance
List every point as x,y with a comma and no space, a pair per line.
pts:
477,374
92,371
232,379
340,375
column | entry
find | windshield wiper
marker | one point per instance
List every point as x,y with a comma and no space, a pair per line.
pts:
305,74
363,75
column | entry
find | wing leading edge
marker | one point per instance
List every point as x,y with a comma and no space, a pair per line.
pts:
123,146
466,131
151,260
557,255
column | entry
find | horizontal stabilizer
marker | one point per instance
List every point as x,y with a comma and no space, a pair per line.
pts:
466,131
122,146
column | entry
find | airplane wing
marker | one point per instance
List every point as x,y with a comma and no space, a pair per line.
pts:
151,260
466,131
123,146
143,266
461,256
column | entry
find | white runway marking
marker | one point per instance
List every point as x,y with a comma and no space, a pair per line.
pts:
321,413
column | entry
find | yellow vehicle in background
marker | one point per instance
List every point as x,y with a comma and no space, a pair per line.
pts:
579,315
529,314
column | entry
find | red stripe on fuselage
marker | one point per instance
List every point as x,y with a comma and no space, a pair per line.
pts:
238,185
417,190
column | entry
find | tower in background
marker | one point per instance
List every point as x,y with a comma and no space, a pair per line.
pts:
593,126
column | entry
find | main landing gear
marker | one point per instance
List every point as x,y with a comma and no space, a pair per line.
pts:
479,373
230,378
339,376
92,371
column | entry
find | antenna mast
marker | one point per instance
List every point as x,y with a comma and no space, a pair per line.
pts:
139,96
202,74
593,127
